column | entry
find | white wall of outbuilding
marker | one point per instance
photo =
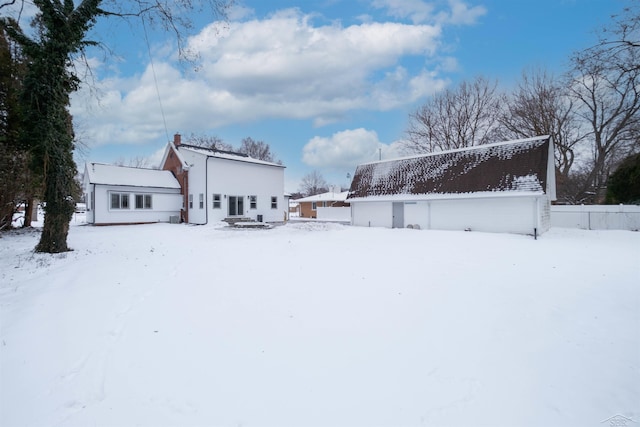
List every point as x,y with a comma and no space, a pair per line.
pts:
521,215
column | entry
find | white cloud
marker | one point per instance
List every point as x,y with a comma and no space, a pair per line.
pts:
282,66
238,12
462,14
347,149
420,11
155,158
416,10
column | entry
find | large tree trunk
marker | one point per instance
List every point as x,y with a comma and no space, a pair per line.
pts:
54,233
59,201
28,212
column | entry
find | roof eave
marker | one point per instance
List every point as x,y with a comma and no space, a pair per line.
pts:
445,196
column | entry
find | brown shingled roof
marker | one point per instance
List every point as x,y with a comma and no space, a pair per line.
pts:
511,166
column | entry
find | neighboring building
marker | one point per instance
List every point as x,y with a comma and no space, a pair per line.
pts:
504,187
311,206
217,184
294,208
124,195
287,204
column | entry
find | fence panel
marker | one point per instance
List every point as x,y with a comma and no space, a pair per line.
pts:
596,217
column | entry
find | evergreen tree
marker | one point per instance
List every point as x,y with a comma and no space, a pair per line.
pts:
624,184
16,185
47,130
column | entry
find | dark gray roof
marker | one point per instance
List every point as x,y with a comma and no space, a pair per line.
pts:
513,166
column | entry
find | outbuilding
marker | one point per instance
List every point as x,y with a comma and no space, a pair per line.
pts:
503,187
125,195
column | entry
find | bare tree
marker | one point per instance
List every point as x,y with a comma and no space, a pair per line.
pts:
624,35
605,83
213,142
313,183
133,162
540,105
462,117
256,149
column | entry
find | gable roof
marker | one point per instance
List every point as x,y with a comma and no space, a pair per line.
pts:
520,166
171,147
326,197
98,173
228,155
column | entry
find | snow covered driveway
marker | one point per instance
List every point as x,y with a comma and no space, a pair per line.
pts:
314,324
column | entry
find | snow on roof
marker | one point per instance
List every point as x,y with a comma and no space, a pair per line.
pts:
328,196
127,176
229,155
508,167
172,148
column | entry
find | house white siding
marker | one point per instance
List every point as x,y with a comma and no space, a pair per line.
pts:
242,180
165,203
371,214
157,193
544,204
417,213
490,214
236,181
510,215
197,186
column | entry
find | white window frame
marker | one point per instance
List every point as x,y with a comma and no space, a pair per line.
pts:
274,202
314,206
123,200
217,201
201,201
190,201
253,202
147,201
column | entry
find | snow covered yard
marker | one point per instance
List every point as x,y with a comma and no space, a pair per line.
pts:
313,324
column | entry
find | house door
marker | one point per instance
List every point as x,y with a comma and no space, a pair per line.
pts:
398,215
236,205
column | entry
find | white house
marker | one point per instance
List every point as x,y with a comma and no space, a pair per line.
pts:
503,187
331,205
124,195
218,185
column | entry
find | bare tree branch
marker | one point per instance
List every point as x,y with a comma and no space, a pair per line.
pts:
9,3
462,117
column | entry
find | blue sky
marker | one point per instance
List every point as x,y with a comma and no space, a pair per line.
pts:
328,84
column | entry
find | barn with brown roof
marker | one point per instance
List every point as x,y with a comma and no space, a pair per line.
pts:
502,187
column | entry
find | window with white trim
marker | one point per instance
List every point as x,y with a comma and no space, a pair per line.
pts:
274,202
119,200
144,201
190,201
201,200
253,202
314,206
217,203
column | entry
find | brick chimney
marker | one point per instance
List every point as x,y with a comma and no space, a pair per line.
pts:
177,140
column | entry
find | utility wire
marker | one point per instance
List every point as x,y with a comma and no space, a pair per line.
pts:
155,79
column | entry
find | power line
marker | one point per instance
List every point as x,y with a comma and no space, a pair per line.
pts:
155,79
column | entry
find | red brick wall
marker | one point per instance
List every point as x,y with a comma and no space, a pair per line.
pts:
174,165
306,211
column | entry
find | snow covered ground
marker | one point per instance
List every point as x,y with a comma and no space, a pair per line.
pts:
313,324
